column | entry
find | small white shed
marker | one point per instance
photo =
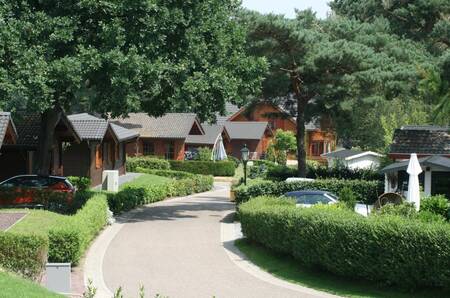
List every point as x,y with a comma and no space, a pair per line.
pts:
354,159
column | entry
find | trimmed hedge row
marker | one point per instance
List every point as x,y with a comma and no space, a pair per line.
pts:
387,249
68,242
184,184
23,254
146,162
214,168
281,173
365,191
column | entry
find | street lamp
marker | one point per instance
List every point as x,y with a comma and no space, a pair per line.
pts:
244,157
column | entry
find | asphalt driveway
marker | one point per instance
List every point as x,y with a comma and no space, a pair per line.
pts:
175,248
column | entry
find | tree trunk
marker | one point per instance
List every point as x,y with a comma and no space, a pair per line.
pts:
301,152
49,120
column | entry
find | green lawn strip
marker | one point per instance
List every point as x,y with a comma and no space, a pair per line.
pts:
13,286
38,222
145,180
285,267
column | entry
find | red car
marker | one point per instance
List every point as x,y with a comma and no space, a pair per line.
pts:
35,190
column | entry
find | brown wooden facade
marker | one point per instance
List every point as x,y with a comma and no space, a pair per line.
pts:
318,140
167,148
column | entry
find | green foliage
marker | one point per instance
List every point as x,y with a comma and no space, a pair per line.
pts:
236,161
404,209
378,248
23,254
437,205
281,173
204,154
214,168
364,191
80,183
328,67
69,240
146,162
113,57
132,196
347,198
283,142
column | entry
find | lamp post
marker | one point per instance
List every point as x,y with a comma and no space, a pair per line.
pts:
244,157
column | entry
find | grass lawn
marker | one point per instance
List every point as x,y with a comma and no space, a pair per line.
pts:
38,222
13,286
285,267
146,179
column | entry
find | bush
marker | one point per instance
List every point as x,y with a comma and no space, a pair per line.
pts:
204,154
146,162
365,191
214,168
80,183
236,161
314,171
347,198
436,204
68,242
404,209
379,248
183,184
23,254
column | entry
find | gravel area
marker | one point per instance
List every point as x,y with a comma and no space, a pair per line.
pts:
7,219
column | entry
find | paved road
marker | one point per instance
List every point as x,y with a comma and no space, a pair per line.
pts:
174,248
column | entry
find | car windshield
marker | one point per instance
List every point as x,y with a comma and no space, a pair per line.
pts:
312,199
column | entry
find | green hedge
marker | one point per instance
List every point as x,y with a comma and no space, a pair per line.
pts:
146,162
23,254
214,168
80,183
183,184
365,191
386,249
68,242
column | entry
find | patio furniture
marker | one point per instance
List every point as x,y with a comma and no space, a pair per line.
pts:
388,198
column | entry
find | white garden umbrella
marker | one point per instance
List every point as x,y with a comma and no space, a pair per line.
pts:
219,152
414,170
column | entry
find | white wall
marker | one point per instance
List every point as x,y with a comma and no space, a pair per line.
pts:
363,162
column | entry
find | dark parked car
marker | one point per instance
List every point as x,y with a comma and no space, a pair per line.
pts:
35,190
307,198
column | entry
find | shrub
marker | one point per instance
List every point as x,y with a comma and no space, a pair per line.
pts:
404,209
236,161
204,154
347,198
147,163
215,168
68,242
314,171
378,248
23,254
365,191
80,183
437,205
183,184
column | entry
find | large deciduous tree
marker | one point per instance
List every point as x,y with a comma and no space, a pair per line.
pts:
118,56
331,66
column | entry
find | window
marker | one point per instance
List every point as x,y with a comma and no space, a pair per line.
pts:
98,157
316,148
148,148
170,150
440,183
